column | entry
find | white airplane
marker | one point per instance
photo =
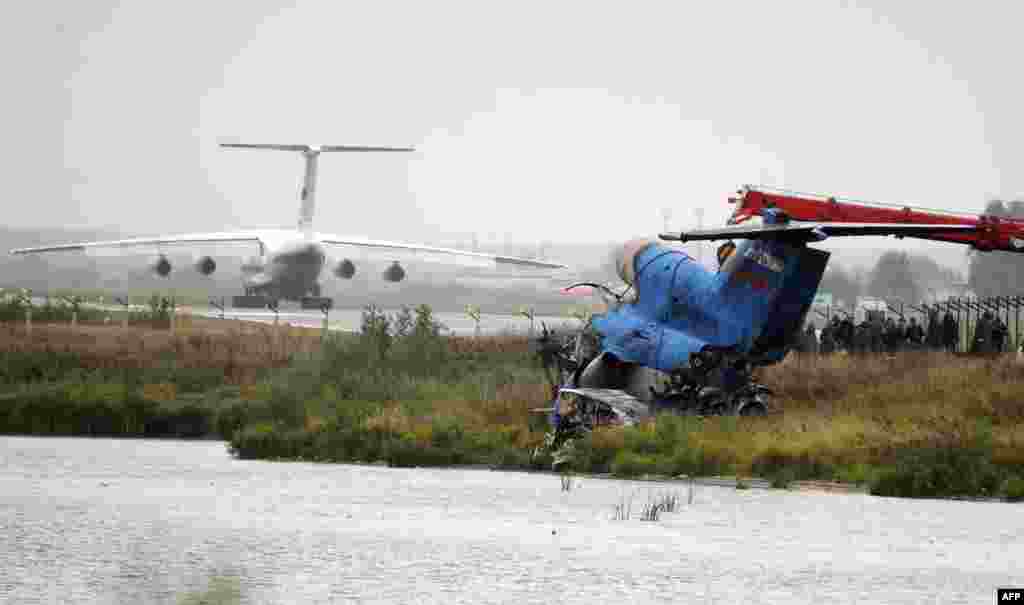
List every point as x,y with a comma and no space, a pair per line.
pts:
290,261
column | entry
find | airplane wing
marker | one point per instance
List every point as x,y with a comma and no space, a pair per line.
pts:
257,237
478,257
169,240
815,231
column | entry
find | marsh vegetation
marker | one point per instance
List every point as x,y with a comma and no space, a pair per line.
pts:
912,424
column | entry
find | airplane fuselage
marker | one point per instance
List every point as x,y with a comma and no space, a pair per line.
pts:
290,261
290,266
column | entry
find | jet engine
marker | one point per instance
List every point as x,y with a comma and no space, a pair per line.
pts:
162,266
394,273
206,265
346,269
623,258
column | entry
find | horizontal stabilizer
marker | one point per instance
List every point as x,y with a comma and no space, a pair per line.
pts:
805,232
313,148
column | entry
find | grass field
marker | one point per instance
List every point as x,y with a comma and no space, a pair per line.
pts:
915,424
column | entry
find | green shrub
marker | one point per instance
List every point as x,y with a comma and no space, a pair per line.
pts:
447,433
1013,489
231,417
263,441
782,478
286,407
405,453
641,441
672,432
858,473
510,457
629,464
788,467
706,464
591,458
681,462
192,421
958,463
940,472
27,367
355,413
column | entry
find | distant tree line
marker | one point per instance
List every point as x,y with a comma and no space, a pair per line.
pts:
909,277
895,276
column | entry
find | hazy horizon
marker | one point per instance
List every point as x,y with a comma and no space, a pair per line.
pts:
571,122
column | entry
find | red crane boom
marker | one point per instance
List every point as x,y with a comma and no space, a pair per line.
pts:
994,232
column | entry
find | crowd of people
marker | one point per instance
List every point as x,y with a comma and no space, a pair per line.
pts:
879,334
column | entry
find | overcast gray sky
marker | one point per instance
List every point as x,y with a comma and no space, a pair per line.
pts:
564,121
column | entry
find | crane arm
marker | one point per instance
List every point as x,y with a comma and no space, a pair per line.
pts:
993,233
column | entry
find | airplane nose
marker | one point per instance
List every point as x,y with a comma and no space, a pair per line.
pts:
303,252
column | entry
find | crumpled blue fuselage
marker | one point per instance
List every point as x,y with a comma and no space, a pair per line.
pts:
682,307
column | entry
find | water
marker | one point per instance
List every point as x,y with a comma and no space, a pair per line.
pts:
138,521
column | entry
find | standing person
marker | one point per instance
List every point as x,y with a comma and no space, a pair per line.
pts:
889,335
934,337
800,342
915,335
983,334
862,337
950,332
999,332
811,336
846,333
877,329
828,343
902,334
837,333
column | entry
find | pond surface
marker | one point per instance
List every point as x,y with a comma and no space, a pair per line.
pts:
142,521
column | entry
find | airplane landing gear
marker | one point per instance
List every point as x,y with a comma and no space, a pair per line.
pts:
317,302
250,301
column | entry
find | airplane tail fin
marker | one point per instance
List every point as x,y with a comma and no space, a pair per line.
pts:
751,280
787,315
769,286
311,153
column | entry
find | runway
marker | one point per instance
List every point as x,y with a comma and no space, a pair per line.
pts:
350,320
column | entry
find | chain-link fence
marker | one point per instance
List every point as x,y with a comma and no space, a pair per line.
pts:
957,324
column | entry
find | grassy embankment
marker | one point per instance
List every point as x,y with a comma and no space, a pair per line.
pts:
107,380
913,424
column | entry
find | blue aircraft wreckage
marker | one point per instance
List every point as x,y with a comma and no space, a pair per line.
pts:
686,339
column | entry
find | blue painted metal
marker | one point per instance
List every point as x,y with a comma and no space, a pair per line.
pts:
755,302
